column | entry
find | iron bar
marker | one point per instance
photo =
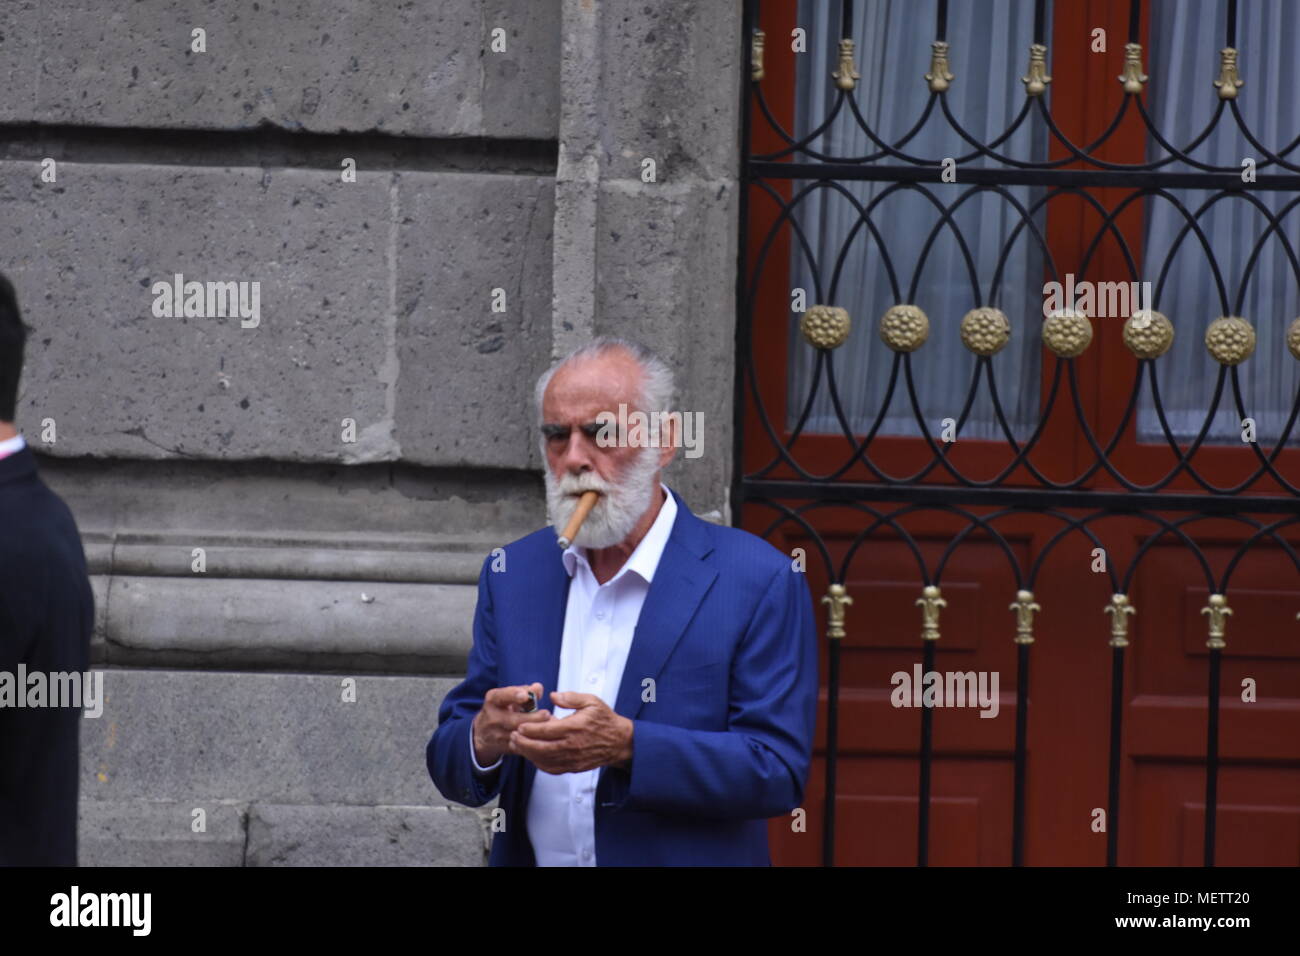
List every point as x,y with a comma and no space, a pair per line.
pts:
1212,756
1022,745
926,760
1116,502
1116,740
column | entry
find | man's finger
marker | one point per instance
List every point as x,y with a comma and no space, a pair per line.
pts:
548,729
513,720
574,700
503,697
515,696
519,744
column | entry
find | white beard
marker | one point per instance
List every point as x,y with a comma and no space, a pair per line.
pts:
617,510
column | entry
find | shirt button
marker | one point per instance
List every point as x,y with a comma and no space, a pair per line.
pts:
592,679
600,615
578,799
586,854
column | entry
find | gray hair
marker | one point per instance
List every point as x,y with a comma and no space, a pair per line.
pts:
656,393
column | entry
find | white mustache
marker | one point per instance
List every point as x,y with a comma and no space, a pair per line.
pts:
616,512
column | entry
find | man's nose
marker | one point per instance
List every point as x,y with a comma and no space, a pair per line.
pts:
577,456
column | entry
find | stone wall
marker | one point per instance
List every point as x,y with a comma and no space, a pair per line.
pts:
272,508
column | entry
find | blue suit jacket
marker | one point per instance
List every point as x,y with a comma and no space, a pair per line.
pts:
726,633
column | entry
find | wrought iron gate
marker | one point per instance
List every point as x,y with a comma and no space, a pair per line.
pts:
1265,502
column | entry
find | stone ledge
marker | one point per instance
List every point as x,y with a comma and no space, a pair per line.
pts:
363,626
422,559
160,833
280,835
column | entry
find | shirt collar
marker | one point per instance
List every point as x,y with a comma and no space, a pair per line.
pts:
644,558
12,445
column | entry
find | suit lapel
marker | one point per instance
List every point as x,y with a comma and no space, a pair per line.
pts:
680,582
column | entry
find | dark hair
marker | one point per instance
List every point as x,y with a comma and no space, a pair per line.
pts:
12,336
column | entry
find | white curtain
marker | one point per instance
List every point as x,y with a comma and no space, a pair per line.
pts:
1185,41
989,50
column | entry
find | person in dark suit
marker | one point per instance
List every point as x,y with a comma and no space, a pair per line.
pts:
680,656
46,616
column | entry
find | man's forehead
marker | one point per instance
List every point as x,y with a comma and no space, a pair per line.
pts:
583,389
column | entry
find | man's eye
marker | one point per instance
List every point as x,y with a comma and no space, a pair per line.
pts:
555,433
592,430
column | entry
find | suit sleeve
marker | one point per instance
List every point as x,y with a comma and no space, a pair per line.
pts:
449,754
759,766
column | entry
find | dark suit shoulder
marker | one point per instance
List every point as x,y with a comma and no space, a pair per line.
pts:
36,521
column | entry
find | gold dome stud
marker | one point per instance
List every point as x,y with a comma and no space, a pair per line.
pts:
985,330
1230,339
1293,338
1067,333
825,326
904,328
1148,334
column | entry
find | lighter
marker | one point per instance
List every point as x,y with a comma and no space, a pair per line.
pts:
531,706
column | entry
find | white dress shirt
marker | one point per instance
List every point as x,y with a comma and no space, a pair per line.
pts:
599,621
11,445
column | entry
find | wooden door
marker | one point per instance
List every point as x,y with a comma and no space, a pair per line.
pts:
1157,816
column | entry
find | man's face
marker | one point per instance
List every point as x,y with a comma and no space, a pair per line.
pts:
626,476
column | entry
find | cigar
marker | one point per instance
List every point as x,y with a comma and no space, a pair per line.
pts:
579,516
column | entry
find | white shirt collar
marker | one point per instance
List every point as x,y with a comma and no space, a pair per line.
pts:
11,445
644,558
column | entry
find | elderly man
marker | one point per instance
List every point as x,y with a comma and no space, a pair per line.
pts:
679,657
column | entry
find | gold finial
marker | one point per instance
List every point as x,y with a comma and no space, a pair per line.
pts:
985,330
1148,334
846,77
1119,609
939,77
904,328
837,597
1037,80
1025,606
1067,333
1219,612
1230,339
930,602
1133,78
1228,82
825,326
756,56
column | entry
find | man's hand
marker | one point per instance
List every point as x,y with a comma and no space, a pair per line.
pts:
500,714
592,736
